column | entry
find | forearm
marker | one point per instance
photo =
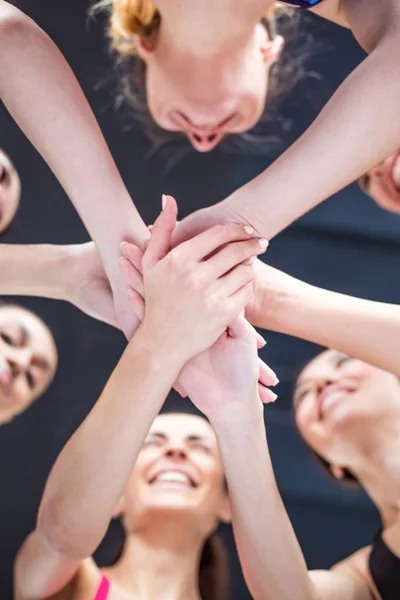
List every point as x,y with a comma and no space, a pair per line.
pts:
272,561
43,96
367,330
357,129
34,270
92,471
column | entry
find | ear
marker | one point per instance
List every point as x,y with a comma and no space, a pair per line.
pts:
119,509
272,49
224,512
145,45
337,472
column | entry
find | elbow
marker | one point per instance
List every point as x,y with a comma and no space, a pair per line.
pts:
14,24
59,534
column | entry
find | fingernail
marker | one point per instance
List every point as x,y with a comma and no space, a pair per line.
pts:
274,397
248,229
263,243
265,343
163,201
123,245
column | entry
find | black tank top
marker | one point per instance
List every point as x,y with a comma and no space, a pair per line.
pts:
384,567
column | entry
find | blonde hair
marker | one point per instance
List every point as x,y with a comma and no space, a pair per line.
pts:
130,19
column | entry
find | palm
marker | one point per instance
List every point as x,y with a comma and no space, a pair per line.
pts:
229,367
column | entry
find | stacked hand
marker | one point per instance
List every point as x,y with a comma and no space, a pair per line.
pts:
212,261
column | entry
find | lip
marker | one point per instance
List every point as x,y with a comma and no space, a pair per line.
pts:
193,482
323,406
180,121
396,158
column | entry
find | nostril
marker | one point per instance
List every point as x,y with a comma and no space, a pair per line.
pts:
212,137
197,138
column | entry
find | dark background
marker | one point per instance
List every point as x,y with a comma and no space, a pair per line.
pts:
347,244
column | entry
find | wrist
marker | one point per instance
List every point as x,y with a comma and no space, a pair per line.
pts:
235,413
161,353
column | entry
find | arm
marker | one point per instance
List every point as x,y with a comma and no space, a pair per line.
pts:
72,273
358,128
44,97
367,330
91,472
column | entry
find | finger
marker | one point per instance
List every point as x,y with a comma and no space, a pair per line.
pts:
137,303
133,254
234,254
235,280
261,342
160,241
237,301
266,395
266,374
207,242
131,276
180,390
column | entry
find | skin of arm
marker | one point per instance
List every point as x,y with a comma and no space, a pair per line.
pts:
43,96
91,473
73,273
357,129
367,330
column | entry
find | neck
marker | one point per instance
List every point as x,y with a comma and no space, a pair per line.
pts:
160,562
378,468
209,27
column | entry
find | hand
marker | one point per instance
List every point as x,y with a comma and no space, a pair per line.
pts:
271,289
228,373
204,219
193,291
87,285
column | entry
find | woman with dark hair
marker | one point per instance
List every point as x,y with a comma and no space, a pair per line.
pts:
347,411
10,191
164,476
28,360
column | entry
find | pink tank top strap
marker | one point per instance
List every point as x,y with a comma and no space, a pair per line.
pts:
103,590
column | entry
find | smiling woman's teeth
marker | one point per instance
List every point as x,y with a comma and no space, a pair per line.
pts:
173,476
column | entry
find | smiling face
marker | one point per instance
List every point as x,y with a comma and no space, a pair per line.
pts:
338,399
28,360
382,183
10,191
178,474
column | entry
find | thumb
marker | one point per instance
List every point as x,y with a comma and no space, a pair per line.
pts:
160,241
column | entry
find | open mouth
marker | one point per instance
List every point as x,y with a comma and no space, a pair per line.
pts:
331,396
174,478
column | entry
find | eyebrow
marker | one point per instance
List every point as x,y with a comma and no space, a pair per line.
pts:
189,438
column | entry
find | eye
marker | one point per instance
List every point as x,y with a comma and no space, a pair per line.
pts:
3,174
200,446
342,360
8,339
30,380
364,182
152,442
299,397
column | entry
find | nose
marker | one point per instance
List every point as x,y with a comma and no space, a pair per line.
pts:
176,451
19,361
206,141
204,132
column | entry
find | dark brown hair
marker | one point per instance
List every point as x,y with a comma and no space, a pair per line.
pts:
214,570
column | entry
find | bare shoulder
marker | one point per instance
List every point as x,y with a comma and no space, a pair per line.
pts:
84,585
348,579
